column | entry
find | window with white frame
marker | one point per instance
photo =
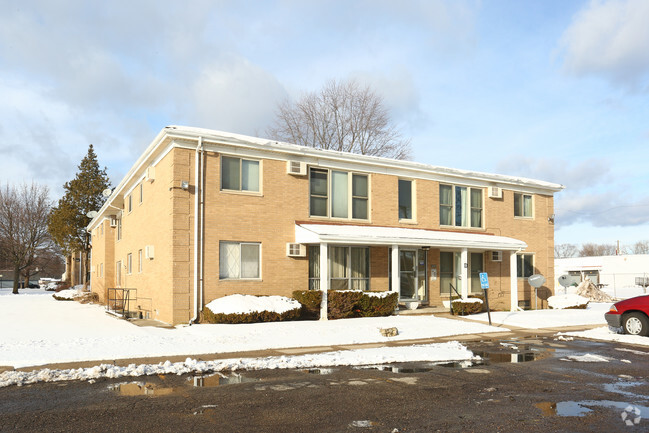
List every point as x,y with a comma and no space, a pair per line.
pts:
406,199
129,263
522,205
460,206
118,273
338,194
139,261
349,268
141,192
130,202
525,265
239,260
119,228
238,174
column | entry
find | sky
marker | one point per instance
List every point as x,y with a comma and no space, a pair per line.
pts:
550,90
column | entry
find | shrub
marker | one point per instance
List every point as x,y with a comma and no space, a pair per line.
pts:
253,317
462,308
345,303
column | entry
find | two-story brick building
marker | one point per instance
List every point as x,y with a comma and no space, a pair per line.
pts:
204,214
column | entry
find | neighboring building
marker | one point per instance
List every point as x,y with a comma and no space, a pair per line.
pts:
620,271
204,214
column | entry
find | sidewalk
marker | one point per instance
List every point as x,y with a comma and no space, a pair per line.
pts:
509,333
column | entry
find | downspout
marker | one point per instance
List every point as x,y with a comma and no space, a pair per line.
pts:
198,189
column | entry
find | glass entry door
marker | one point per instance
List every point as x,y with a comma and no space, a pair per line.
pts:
413,273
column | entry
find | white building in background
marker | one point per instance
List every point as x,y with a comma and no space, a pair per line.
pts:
608,272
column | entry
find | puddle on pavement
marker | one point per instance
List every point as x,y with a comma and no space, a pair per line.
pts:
151,388
584,407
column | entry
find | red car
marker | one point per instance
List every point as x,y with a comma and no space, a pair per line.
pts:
632,315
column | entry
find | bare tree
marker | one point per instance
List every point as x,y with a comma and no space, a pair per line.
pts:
591,249
23,225
343,116
562,251
641,247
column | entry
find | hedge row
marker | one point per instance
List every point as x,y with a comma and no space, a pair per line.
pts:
254,317
464,308
345,304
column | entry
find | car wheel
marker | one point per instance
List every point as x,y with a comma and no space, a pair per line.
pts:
636,324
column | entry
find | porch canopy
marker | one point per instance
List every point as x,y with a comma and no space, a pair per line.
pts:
399,238
372,235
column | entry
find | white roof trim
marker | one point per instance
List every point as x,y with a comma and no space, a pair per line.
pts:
369,235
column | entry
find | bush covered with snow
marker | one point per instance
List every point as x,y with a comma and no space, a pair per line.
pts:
343,304
471,305
565,302
251,309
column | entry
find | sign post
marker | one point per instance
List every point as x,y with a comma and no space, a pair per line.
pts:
484,283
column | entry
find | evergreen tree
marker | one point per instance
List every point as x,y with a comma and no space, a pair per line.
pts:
68,220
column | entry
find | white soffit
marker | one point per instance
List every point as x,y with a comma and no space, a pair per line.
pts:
368,235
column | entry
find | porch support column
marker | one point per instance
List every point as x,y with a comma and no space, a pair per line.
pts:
396,276
464,259
324,279
513,278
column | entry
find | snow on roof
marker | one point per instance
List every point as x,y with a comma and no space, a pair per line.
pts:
369,235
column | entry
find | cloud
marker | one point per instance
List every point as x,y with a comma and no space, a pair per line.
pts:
609,39
592,193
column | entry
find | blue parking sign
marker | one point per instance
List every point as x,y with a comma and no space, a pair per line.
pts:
484,280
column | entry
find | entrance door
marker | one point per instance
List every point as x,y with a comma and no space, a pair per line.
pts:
408,271
450,272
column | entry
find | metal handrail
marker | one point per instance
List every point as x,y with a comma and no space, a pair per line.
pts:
119,301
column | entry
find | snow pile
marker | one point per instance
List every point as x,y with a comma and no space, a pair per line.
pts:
588,357
560,302
68,294
245,304
605,334
437,352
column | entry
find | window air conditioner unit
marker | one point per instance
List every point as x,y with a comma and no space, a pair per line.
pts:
295,250
149,176
297,168
496,256
495,192
113,221
148,252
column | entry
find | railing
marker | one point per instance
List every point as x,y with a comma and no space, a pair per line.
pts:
120,300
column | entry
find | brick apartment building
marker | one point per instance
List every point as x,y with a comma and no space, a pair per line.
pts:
204,214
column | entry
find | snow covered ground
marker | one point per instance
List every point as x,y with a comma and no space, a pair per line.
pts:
39,330
536,319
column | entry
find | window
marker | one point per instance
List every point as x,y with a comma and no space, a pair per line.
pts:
405,199
141,193
139,261
130,202
338,194
460,206
239,260
349,268
522,205
238,174
119,228
118,273
525,265
129,263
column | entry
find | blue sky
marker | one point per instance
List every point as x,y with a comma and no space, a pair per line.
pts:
553,90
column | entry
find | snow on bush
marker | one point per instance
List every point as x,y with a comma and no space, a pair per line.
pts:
468,300
245,304
561,302
67,294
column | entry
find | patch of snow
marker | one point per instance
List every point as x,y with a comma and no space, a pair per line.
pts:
535,319
560,302
436,352
48,331
245,304
605,334
68,293
588,357
468,300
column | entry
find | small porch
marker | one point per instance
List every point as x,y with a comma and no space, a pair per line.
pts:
427,267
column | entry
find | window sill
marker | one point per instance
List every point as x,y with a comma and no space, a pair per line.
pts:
482,229
352,220
248,193
524,218
241,279
410,222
